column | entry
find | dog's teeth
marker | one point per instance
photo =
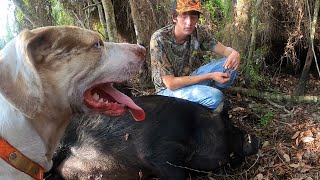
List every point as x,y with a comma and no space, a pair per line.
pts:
96,96
101,100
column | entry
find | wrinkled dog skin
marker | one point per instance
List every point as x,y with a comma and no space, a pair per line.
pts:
174,132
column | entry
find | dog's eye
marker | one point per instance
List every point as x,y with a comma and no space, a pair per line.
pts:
98,44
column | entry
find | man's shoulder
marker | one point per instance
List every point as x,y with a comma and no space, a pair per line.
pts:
163,33
200,29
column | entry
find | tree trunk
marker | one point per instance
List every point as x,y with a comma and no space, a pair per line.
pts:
276,97
135,13
304,75
310,55
102,19
251,68
37,12
239,38
254,23
144,24
110,20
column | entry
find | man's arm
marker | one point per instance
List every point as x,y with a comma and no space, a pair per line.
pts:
232,62
233,57
173,82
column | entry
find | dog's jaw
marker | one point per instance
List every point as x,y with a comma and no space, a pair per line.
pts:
111,102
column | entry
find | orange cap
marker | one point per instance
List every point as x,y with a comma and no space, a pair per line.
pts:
187,5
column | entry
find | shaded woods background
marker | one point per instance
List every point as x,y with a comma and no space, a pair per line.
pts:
272,36
277,92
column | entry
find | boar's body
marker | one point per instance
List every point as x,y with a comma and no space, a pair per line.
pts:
175,132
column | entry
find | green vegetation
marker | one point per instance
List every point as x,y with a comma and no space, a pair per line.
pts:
219,11
252,75
27,3
96,25
252,67
265,119
59,14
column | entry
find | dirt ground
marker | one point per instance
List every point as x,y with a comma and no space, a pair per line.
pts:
290,134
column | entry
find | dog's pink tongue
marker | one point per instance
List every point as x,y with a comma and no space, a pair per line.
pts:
136,111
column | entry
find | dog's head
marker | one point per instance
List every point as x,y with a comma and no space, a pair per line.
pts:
58,68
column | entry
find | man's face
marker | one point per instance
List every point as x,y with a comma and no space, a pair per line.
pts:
186,23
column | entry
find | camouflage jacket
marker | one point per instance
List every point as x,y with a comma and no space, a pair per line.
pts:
169,58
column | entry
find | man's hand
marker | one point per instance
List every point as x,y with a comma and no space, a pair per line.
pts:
233,57
232,61
220,77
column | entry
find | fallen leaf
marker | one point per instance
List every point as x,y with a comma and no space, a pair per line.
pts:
238,109
307,139
261,169
295,135
301,134
259,176
314,130
297,142
299,156
265,144
308,133
238,95
294,165
286,158
305,168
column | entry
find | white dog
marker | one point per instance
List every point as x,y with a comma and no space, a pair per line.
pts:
47,75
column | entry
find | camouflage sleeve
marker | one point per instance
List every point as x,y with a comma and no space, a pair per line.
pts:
160,65
206,39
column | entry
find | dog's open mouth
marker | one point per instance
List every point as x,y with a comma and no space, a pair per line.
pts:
106,99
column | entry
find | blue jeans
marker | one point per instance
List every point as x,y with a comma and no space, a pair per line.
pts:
206,93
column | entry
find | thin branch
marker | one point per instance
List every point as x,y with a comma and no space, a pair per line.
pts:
26,13
281,107
313,27
80,22
210,173
183,167
92,5
152,11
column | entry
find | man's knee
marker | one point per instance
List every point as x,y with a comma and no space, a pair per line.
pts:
215,102
210,97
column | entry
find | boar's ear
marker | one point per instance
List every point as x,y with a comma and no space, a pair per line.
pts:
20,82
251,145
226,107
243,145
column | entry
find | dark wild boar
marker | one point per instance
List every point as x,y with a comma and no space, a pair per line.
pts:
175,132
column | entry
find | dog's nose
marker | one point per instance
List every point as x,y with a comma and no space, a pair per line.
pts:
141,51
141,44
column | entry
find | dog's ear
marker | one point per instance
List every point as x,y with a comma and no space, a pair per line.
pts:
20,83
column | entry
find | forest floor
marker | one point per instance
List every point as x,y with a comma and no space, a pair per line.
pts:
289,133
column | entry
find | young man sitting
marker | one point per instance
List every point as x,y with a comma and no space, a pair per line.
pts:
176,52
